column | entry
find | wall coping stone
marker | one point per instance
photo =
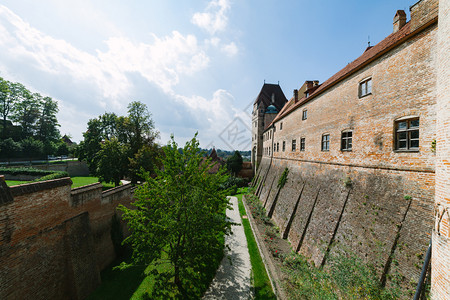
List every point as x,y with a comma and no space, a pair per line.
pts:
28,188
116,189
86,188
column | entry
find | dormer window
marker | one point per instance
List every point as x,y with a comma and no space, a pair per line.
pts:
365,87
307,94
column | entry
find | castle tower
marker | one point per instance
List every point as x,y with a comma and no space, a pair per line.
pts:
271,96
440,258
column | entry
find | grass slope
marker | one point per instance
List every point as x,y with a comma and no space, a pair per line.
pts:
261,282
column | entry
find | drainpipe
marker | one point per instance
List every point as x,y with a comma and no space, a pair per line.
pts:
426,263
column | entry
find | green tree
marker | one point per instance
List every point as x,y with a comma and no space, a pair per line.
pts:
140,126
9,148
47,125
112,161
88,149
145,159
179,221
62,149
6,103
234,163
26,109
32,148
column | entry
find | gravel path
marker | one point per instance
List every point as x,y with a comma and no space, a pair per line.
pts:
232,280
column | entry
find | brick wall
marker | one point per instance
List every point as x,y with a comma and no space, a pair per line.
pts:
441,236
374,200
54,240
324,209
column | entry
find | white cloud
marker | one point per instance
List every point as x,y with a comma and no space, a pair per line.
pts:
214,18
230,49
161,62
219,122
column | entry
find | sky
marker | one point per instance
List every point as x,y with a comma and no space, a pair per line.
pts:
198,65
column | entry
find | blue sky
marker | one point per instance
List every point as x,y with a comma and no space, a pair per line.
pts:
198,65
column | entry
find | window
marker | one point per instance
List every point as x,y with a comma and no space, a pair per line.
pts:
304,114
346,141
365,87
302,144
274,147
278,147
294,145
284,146
407,134
281,126
326,142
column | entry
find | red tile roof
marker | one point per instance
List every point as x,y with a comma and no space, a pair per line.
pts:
367,57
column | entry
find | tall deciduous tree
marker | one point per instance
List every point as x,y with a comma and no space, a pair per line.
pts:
234,163
6,103
47,126
140,126
26,109
112,161
179,220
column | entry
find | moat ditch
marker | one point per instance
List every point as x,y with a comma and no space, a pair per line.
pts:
294,276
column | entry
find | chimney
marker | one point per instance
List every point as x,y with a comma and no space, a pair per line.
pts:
399,20
295,96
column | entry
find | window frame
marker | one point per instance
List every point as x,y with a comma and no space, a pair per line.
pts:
294,145
367,87
345,140
409,130
304,114
325,142
302,143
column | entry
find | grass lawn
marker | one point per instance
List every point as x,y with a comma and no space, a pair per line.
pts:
130,283
14,182
82,181
77,182
261,282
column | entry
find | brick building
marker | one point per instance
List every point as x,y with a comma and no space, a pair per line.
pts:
361,149
269,102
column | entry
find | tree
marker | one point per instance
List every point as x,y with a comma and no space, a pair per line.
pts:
88,149
146,159
234,163
112,161
47,126
6,103
140,126
9,148
32,148
179,220
62,149
26,110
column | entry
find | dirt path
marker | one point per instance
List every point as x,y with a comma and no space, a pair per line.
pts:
232,280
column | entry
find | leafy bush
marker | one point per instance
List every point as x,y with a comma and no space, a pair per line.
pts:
46,174
54,175
233,183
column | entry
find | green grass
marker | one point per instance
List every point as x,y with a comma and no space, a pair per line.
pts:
82,181
261,282
77,182
130,283
14,182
